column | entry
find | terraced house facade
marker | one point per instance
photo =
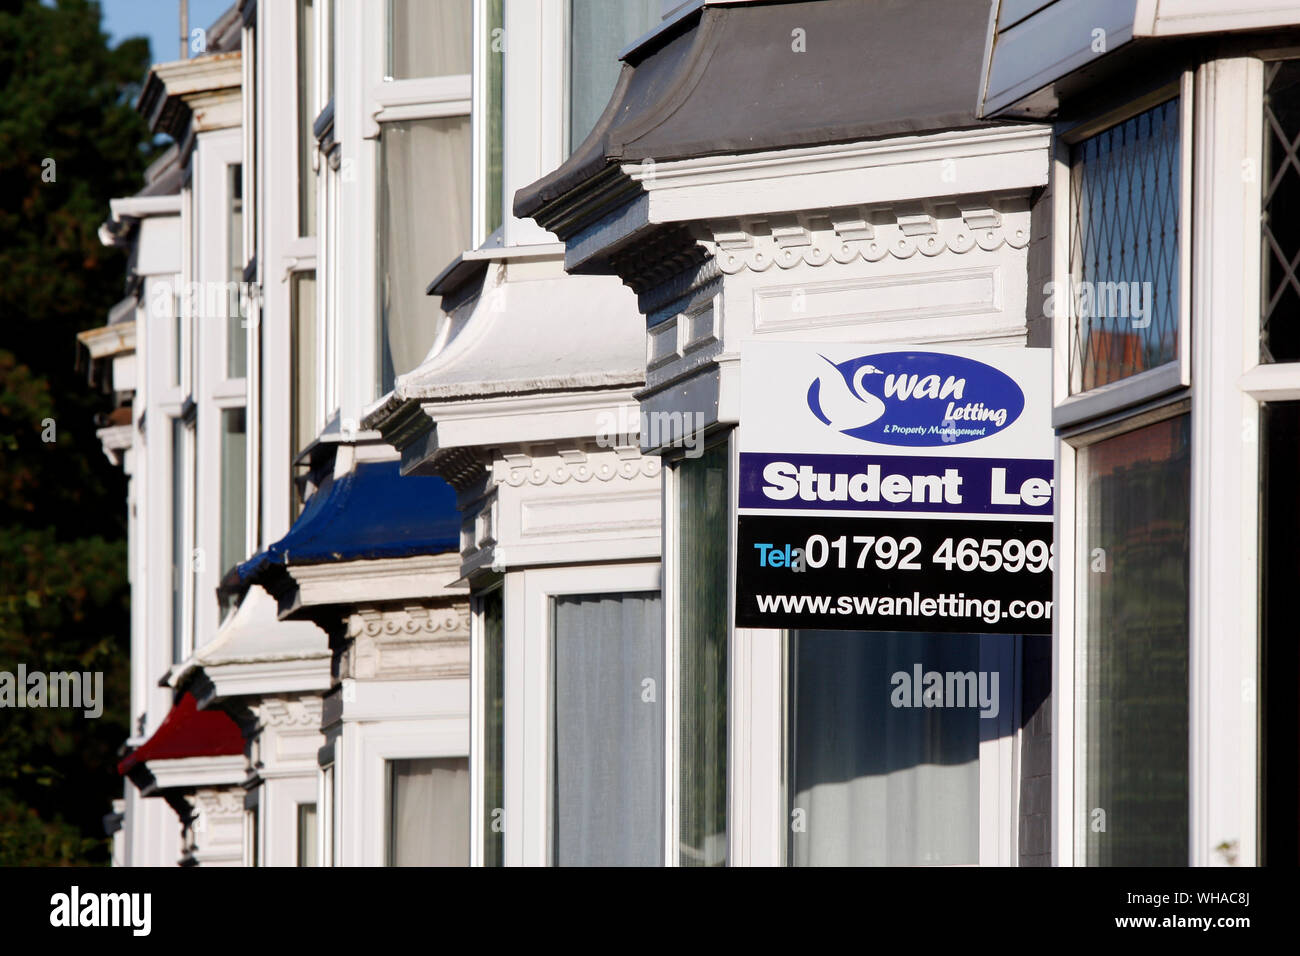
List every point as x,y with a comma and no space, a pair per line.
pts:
429,387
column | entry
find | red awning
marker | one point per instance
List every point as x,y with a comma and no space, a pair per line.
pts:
188,732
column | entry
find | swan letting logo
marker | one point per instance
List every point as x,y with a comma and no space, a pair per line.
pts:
915,398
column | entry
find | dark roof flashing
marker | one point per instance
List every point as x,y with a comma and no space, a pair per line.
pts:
750,77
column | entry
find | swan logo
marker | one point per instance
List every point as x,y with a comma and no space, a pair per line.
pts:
915,398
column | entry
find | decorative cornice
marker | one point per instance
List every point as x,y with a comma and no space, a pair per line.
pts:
846,235
297,712
410,642
219,802
447,623
564,466
658,256
461,468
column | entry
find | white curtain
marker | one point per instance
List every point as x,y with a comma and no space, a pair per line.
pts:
429,38
609,730
879,784
234,487
598,32
425,209
429,812
303,417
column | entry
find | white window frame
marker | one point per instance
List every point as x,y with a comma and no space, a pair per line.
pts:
214,393
1072,408
1228,387
407,740
740,797
389,100
1068,654
254,830
326,810
529,752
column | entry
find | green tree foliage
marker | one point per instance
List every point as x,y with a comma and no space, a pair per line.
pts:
70,140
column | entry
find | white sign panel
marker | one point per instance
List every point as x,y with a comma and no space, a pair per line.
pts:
898,488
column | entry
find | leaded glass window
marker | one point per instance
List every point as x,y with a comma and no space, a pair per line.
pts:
1124,233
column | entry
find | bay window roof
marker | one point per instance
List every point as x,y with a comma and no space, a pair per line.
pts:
746,77
369,512
188,732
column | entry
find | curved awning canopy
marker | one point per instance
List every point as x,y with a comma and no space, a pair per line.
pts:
187,732
740,78
370,512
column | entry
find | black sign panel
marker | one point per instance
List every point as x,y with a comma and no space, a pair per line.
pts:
968,576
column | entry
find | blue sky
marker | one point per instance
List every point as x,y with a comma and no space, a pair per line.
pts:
159,20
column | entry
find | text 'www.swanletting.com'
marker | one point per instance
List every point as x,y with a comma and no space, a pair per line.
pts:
988,610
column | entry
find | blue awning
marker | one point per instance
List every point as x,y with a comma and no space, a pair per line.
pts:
371,512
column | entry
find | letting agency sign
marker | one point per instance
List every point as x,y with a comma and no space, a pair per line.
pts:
907,489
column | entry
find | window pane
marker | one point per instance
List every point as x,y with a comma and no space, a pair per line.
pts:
1280,223
1280,653
306,117
429,38
234,487
1124,196
304,417
494,56
598,32
875,780
179,564
1131,671
236,335
424,207
306,834
428,812
702,637
608,738
494,739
